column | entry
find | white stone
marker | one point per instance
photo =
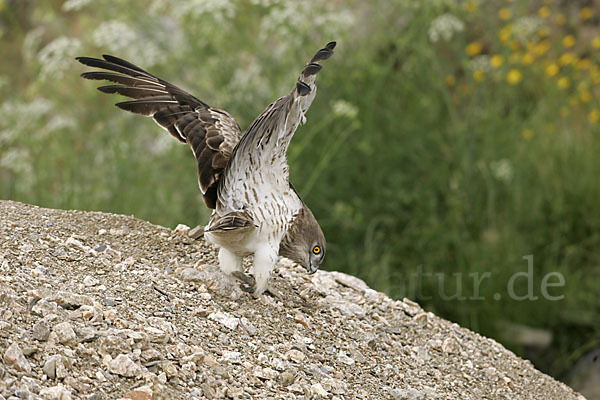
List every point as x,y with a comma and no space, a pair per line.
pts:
58,392
295,355
317,389
90,281
225,319
181,228
14,356
56,367
234,357
124,366
343,358
65,333
266,373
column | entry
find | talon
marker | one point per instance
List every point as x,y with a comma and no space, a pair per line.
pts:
247,282
247,288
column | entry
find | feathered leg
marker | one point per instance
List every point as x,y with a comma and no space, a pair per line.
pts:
229,262
264,262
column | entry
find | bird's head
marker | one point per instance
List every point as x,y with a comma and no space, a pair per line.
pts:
304,242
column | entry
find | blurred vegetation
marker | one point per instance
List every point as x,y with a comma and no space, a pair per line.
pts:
448,136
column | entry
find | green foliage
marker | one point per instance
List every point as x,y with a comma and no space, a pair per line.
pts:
421,152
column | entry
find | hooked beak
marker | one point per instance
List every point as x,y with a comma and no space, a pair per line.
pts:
312,268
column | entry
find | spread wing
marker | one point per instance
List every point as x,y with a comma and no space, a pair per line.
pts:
212,133
265,143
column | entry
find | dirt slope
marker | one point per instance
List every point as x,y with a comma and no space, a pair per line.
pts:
101,306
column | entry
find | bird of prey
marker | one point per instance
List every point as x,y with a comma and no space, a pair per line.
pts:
243,177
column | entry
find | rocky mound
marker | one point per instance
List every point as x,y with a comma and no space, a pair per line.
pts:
102,306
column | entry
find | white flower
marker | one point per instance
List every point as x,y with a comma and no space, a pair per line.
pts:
480,63
248,81
264,3
118,37
218,9
7,136
444,27
115,35
60,123
75,5
161,143
502,170
32,42
343,108
57,56
25,112
524,27
21,117
288,19
17,160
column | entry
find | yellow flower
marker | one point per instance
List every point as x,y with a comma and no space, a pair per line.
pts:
594,116
544,32
515,45
478,75
528,59
471,6
544,12
595,75
552,70
560,19
514,76
567,58
473,48
464,90
496,61
585,96
527,134
450,80
529,46
596,42
505,33
583,63
541,48
563,82
504,14
568,41
586,13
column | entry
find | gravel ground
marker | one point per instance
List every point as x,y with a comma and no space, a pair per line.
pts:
103,306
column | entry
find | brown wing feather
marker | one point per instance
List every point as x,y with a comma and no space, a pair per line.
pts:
211,133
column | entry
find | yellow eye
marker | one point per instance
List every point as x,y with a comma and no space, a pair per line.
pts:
316,250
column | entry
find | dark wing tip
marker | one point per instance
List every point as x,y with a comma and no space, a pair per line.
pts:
124,63
125,105
330,45
107,89
312,69
322,54
302,88
87,60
